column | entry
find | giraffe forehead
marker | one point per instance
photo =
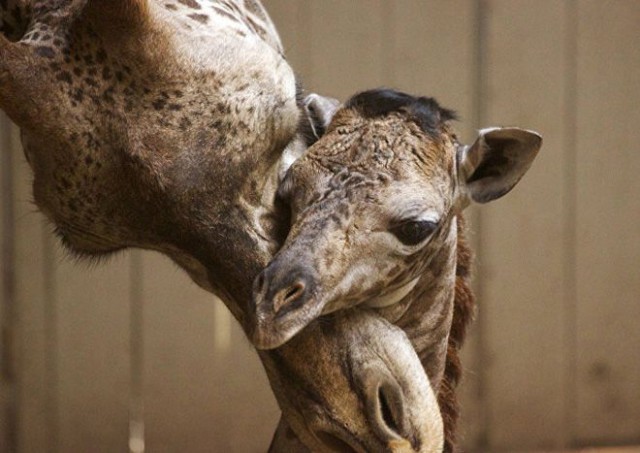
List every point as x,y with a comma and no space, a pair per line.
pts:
393,145
428,155
383,163
374,170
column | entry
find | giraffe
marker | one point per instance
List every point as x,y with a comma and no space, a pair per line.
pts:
167,125
376,211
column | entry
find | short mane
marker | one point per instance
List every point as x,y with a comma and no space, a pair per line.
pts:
464,308
424,111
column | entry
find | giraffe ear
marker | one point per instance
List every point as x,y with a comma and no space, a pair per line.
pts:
495,163
319,111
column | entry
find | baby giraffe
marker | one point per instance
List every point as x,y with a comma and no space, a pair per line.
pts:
374,212
376,221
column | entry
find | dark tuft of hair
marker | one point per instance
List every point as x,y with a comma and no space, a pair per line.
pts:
424,111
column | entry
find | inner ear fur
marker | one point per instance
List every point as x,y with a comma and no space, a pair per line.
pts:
495,162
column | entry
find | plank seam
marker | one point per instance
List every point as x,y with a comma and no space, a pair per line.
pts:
136,354
9,318
479,89
570,207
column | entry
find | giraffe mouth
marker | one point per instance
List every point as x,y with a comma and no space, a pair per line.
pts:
286,300
270,332
283,303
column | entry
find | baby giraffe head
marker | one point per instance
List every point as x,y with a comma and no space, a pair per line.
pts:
372,202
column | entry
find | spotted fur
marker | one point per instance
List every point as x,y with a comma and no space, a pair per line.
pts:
99,86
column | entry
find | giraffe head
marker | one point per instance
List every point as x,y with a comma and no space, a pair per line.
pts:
372,201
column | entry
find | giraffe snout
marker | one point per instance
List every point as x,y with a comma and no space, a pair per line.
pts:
283,303
282,291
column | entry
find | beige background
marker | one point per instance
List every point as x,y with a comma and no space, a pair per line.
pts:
97,358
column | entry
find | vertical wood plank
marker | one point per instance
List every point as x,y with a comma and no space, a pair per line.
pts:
92,314
290,21
347,46
608,214
136,354
7,379
205,389
433,53
522,257
33,349
246,395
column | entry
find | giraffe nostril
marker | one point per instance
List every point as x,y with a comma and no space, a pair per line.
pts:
386,407
287,296
260,288
388,416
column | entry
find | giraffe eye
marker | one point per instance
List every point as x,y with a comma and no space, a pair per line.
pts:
413,232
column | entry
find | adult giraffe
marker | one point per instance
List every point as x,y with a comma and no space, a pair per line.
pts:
162,125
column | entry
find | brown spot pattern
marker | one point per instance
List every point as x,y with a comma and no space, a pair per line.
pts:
190,3
202,18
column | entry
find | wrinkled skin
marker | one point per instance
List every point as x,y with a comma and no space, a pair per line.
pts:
144,129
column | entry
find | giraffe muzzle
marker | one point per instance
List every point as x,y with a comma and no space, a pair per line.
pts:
372,365
283,302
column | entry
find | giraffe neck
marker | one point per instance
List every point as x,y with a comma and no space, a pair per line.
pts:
425,312
441,297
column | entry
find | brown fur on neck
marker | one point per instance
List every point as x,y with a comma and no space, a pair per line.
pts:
463,313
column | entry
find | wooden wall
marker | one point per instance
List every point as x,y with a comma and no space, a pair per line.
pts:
132,356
